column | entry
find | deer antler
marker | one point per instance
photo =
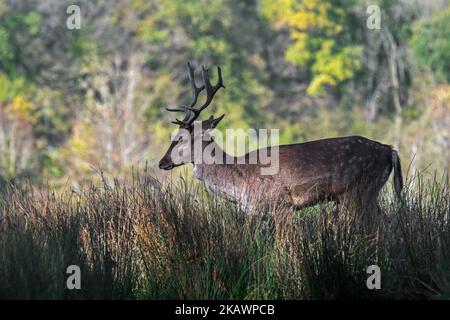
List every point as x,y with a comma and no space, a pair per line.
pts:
210,92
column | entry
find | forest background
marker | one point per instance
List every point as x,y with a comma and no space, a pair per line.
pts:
76,101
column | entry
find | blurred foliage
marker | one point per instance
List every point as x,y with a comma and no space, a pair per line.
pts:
76,101
10,26
431,45
320,40
16,125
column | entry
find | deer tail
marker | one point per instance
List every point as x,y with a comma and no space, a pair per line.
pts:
398,178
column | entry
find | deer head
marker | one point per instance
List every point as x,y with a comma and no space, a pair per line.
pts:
181,149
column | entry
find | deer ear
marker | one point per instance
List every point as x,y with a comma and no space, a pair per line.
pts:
215,122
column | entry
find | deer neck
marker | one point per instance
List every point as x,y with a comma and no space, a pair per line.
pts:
214,174
224,179
204,170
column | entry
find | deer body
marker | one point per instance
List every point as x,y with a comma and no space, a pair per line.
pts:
349,170
329,169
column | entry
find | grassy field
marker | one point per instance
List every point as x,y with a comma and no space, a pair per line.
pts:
145,240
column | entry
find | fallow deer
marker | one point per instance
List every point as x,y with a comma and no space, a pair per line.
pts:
340,169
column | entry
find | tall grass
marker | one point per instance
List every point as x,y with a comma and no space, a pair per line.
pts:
143,239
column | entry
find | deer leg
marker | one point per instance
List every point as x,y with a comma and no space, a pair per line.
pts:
306,195
284,205
347,201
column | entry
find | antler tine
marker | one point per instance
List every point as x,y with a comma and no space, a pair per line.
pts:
195,93
205,76
181,109
210,91
179,122
184,122
195,90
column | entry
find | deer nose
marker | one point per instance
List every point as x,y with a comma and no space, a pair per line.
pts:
163,165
